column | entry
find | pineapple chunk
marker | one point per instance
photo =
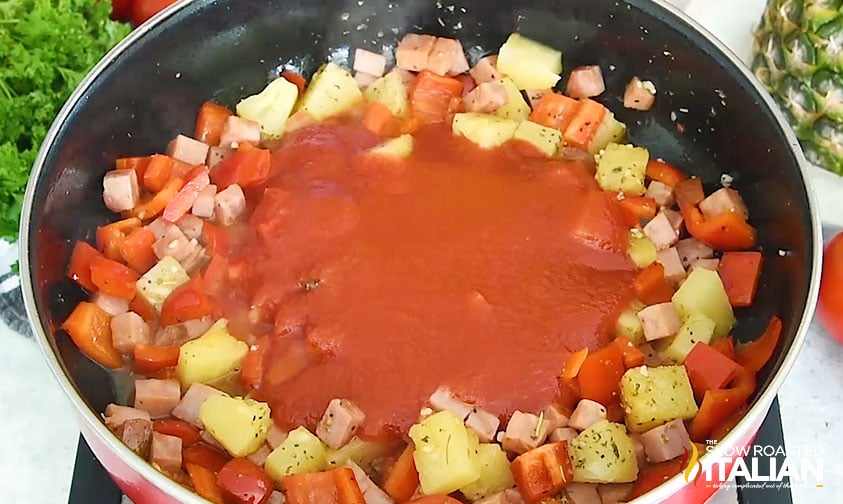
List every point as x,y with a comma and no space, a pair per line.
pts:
546,140
239,425
653,396
610,131
301,452
703,292
362,453
516,107
604,453
160,281
621,168
210,357
642,250
332,91
400,147
445,453
530,64
271,107
484,130
390,91
696,327
495,474
629,326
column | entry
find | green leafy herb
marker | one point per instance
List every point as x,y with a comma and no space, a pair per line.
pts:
46,47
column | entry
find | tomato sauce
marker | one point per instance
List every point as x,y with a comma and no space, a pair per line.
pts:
382,280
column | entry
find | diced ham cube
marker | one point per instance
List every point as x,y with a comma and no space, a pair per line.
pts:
188,150
483,423
364,80
674,272
711,264
237,130
486,97
136,434
277,497
229,204
486,70
514,496
659,321
407,77
120,190
585,82
582,493
188,407
158,397
111,305
586,414
183,201
638,446
691,250
116,415
204,204
165,452
661,232
210,440
413,51
721,201
174,244
129,330
444,400
217,154
675,219
498,498
177,334
339,423
159,227
638,95
369,62
260,455
534,96
275,436
562,434
195,261
191,226
662,193
447,57
555,417
523,433
372,493
614,493
651,357
665,441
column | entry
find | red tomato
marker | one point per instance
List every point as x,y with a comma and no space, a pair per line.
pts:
121,10
189,301
248,167
145,9
243,482
830,307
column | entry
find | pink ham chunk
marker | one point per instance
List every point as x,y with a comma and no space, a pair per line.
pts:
191,226
413,52
651,357
158,397
129,330
136,434
260,455
229,204
364,80
637,96
339,423
692,250
275,436
277,497
183,201
486,70
407,77
486,97
666,442
586,414
534,96
498,498
447,57
583,493
660,231
638,447
523,433
483,423
174,244
614,493
165,452
369,62
188,150
120,190
585,82
674,272
710,264
203,206
659,321
675,219
514,496
112,305
217,154
563,434
187,408
662,193
115,415
555,417
444,400
159,227
237,130
721,201
372,493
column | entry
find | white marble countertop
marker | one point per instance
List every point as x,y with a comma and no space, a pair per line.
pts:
39,436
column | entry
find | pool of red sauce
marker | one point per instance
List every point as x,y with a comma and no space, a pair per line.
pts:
476,270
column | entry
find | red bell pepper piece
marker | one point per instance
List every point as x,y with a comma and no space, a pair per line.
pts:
655,475
337,486
150,359
434,98
111,236
205,456
209,122
79,269
296,79
688,193
740,272
379,120
113,278
140,306
188,301
542,472
204,483
155,205
726,346
727,231
182,202
584,124
215,238
248,167
179,428
139,164
600,375
243,482
753,356
636,208
650,286
251,370
89,326
402,479
554,110
718,405
136,250
632,356
708,369
665,173
572,365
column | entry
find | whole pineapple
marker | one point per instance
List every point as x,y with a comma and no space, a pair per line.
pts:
799,57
